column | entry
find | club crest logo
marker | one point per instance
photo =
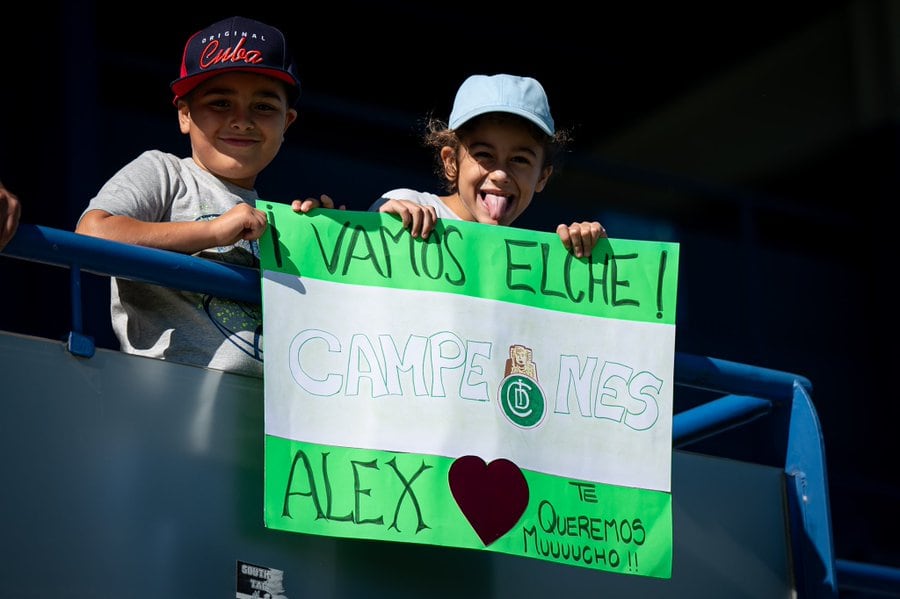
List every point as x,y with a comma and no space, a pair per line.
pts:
521,398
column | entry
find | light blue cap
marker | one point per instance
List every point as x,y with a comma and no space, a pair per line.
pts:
522,96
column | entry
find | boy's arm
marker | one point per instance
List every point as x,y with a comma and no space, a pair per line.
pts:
240,222
580,238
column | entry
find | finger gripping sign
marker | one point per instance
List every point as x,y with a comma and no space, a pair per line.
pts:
482,389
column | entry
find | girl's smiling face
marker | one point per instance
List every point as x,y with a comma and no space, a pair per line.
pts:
499,168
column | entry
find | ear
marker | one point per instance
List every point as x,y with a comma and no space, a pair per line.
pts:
184,116
290,117
545,176
451,165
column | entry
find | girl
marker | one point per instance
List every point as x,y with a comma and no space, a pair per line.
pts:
496,152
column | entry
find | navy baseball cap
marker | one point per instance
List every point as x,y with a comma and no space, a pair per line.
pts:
236,44
522,96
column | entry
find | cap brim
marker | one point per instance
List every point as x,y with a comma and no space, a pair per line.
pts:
458,121
185,85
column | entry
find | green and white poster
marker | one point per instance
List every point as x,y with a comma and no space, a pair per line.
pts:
482,389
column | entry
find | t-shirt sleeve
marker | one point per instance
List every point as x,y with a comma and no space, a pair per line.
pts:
142,189
395,194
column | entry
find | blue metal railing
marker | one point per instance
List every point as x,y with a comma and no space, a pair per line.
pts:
749,392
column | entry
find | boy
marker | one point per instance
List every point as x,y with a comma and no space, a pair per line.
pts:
497,151
234,98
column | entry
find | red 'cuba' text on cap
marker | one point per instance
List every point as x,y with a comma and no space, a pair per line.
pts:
236,44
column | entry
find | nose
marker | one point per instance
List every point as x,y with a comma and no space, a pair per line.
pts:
242,119
498,174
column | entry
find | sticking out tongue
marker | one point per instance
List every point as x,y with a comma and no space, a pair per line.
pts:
496,205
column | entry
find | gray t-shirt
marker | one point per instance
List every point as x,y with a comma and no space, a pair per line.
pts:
170,324
420,197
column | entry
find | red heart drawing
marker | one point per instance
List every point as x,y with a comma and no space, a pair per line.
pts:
492,496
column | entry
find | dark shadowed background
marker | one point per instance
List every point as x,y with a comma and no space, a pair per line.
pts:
761,136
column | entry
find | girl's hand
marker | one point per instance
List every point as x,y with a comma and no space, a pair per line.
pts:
580,238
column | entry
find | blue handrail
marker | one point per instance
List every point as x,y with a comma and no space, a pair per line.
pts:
750,392
101,256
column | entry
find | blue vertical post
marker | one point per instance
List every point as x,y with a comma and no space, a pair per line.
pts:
808,503
78,343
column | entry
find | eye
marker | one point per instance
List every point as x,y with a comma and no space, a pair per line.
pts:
219,103
265,107
483,157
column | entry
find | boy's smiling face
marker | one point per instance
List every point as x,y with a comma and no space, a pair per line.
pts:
499,168
236,122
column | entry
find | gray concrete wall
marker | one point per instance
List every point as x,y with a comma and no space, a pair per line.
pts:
131,477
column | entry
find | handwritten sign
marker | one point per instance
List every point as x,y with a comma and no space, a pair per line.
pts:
483,389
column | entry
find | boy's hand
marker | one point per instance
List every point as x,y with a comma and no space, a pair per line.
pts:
10,211
308,204
417,218
240,222
580,238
